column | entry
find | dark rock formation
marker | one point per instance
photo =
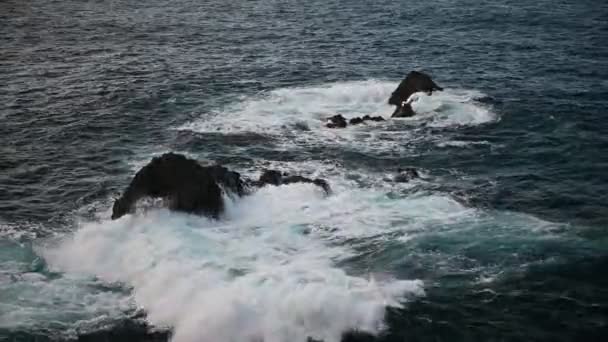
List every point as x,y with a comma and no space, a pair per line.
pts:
414,82
372,118
358,120
230,181
336,121
276,178
187,186
272,177
355,121
183,183
404,110
407,174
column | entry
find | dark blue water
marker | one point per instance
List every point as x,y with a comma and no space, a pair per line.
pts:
506,231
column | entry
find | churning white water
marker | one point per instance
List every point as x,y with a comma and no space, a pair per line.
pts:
272,268
283,113
276,266
266,271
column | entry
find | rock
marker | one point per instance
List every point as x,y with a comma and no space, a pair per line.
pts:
272,177
230,181
336,121
355,121
187,186
404,110
372,118
414,82
276,178
184,183
407,174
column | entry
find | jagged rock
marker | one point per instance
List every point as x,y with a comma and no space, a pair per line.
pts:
187,186
276,178
336,121
414,82
404,110
227,179
355,121
372,118
183,183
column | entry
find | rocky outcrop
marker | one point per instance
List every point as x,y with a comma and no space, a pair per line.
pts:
182,182
228,180
187,186
358,120
276,178
414,82
338,121
403,110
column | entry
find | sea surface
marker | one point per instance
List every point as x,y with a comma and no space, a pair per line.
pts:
503,238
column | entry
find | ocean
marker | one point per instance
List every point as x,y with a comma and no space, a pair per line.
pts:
503,238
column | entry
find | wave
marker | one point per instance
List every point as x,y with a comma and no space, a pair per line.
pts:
453,107
267,271
32,300
278,266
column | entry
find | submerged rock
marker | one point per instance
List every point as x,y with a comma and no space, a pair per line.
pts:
406,174
302,126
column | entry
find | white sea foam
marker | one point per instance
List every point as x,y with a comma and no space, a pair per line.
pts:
281,108
269,269
452,107
31,300
266,271
282,112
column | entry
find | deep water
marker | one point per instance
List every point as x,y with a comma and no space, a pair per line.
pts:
503,239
